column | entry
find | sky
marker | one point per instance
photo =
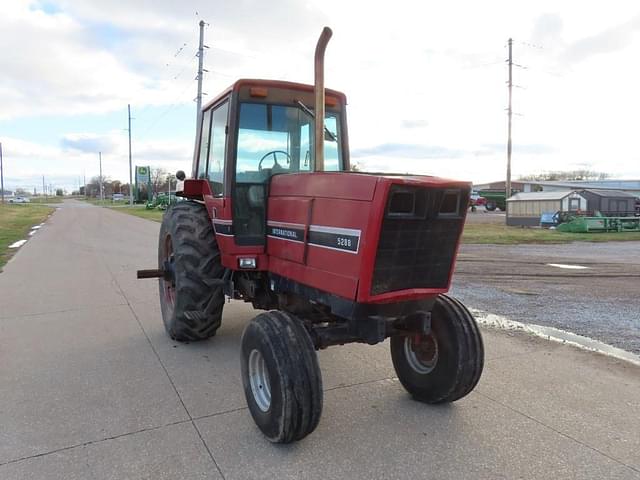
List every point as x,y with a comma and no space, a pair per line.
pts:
425,82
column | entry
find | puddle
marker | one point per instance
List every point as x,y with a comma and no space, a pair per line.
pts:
555,335
17,244
569,267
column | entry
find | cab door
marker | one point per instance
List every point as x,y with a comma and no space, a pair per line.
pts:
211,164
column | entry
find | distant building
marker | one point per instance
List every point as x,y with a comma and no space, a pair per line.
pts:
500,185
525,209
7,193
612,203
630,186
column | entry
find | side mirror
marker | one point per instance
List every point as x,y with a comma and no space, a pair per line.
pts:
180,175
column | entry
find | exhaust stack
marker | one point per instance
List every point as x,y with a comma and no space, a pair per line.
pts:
321,46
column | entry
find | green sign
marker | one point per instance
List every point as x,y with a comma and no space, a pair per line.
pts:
142,175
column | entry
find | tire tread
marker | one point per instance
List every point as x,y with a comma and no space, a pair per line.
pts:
468,359
298,373
197,263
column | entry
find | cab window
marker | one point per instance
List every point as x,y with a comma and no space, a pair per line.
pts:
276,139
217,148
204,144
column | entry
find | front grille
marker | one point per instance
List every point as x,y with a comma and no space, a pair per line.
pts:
417,244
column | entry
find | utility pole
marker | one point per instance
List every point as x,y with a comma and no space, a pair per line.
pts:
101,189
507,185
1,175
201,70
44,191
130,167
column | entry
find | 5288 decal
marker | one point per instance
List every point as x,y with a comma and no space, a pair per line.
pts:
344,242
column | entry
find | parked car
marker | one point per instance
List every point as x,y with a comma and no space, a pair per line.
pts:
476,199
19,200
117,197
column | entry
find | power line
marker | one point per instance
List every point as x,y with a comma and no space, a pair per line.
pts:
180,101
180,50
482,65
532,45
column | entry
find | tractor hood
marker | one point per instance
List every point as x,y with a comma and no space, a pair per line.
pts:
348,185
339,185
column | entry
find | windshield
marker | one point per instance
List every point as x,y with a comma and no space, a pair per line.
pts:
279,139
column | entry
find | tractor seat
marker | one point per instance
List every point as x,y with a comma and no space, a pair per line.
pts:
255,196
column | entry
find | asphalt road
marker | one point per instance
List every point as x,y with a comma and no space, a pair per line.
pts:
91,387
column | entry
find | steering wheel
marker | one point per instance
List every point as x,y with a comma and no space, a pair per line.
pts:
275,158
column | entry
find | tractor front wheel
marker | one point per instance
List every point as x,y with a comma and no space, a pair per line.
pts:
445,365
190,299
281,377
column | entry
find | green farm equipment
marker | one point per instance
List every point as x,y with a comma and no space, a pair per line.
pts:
580,224
161,201
495,199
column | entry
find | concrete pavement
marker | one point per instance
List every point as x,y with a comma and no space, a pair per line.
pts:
91,387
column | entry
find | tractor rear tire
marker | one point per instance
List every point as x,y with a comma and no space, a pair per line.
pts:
445,365
192,303
281,377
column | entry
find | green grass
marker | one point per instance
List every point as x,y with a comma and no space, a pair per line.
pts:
15,222
50,199
502,235
139,211
124,207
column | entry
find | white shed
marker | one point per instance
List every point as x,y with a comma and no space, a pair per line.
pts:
526,208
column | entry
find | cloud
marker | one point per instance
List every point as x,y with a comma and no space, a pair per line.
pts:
610,40
414,123
401,150
547,30
89,143
52,63
82,56
65,164
399,64
521,148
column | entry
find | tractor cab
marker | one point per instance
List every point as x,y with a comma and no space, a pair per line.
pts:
253,131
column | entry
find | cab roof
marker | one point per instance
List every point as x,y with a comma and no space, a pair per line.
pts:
280,84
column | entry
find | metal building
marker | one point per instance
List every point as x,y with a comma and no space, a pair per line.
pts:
525,209
612,203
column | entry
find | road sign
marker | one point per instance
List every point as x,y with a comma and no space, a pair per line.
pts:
142,174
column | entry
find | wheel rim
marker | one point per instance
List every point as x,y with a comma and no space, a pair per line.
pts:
421,352
169,288
259,380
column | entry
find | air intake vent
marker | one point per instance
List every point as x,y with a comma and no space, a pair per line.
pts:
417,245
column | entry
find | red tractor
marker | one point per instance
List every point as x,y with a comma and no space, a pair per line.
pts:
274,216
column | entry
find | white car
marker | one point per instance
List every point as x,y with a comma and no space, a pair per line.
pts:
19,200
